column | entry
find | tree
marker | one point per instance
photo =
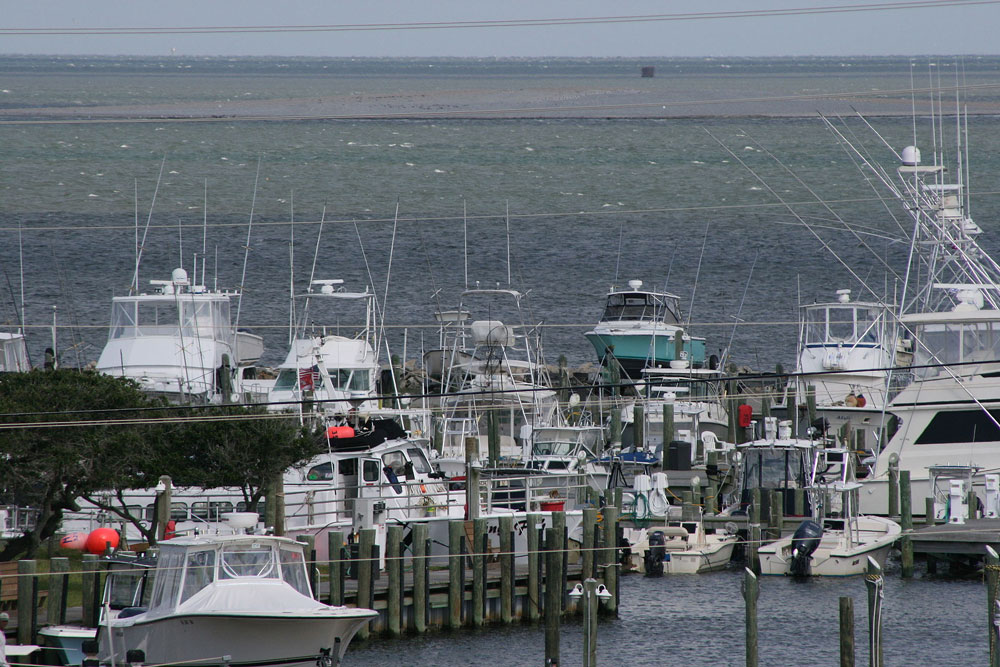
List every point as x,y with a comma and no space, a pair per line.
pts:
68,433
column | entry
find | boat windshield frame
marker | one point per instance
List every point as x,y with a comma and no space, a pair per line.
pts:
642,307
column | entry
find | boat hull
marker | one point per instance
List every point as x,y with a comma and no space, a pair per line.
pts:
638,350
835,557
275,640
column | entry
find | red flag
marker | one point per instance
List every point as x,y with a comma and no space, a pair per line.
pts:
308,377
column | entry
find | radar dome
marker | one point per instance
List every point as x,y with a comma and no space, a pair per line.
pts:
911,156
179,276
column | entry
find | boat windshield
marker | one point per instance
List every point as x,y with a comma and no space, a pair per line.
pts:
553,448
641,306
838,324
204,319
293,570
126,587
774,469
199,573
954,343
341,378
247,560
420,464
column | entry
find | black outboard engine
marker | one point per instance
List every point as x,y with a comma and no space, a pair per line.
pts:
655,554
804,543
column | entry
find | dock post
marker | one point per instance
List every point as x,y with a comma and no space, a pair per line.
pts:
906,523
751,590
394,570
493,437
875,584
753,531
419,562
534,567
777,518
163,506
479,538
668,432
610,529
335,544
471,478
559,528
711,498
506,569
553,598
58,574
456,563
687,506
27,601
929,512
846,632
893,487
366,540
992,582
616,409
639,427
811,403
590,622
91,577
800,502
587,548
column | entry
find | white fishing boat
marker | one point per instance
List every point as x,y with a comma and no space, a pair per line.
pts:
640,329
838,540
235,600
179,342
680,547
336,372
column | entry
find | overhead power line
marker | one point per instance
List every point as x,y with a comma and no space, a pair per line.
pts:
502,23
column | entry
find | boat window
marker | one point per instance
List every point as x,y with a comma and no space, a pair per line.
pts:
247,560
395,461
126,585
371,470
196,319
199,510
349,467
815,325
157,319
287,380
937,344
868,325
200,573
220,318
774,469
360,381
321,473
293,570
179,511
168,579
420,464
553,448
960,426
557,465
842,325
122,319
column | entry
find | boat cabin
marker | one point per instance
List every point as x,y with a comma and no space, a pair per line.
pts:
637,305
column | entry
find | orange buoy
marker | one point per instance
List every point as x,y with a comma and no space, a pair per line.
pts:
335,432
74,541
99,540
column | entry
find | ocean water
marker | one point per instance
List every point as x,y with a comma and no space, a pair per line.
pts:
731,186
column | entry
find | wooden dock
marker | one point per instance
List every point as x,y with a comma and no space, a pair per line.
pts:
970,538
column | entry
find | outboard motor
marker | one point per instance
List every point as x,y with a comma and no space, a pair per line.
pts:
655,554
804,542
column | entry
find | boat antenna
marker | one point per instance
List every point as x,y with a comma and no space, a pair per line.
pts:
246,248
621,234
291,267
670,267
388,275
507,222
312,273
696,274
20,259
465,241
739,311
180,243
138,251
204,234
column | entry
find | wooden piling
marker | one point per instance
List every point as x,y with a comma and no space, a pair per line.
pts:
506,524
335,544
846,632
668,432
394,571
639,426
893,489
493,437
478,572
456,534
799,500
420,563
366,540
616,415
587,547
534,567
58,588
777,518
874,581
27,601
751,591
992,582
754,531
711,499
163,506
929,519
811,403
91,577
906,523
610,530
553,598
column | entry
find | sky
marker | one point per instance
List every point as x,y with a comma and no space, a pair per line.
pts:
939,27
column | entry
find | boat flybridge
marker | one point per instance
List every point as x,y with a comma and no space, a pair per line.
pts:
179,342
336,371
640,327
847,350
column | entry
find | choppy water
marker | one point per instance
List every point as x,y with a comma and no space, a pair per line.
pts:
589,198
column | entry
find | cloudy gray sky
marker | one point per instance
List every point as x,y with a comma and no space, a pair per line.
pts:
938,27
